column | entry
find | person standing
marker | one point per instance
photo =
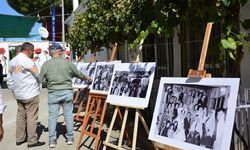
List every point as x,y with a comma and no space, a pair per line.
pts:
56,75
24,82
2,107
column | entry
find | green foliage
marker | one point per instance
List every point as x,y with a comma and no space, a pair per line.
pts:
106,22
29,7
232,41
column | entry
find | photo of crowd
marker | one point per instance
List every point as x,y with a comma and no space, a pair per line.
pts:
130,84
193,113
87,69
102,78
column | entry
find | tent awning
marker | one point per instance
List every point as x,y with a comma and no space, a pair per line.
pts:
16,26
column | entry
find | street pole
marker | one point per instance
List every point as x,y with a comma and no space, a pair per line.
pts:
63,29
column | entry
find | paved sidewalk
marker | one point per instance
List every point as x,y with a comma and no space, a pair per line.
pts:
9,141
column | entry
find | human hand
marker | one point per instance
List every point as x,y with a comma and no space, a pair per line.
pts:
1,132
87,78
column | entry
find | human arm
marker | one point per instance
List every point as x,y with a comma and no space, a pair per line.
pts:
1,128
42,77
34,70
77,73
2,107
31,66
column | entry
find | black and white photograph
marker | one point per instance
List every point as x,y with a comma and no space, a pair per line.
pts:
102,78
87,69
194,114
131,84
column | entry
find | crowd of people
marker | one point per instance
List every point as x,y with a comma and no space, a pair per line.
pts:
188,115
130,84
24,80
88,69
103,77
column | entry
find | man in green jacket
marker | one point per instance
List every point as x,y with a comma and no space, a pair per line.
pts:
56,75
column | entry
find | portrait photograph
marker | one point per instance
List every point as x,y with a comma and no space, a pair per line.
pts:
195,114
131,84
102,78
87,69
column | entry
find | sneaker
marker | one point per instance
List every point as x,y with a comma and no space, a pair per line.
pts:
52,144
69,142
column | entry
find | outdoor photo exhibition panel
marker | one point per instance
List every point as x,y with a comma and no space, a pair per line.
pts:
102,78
196,115
87,69
131,84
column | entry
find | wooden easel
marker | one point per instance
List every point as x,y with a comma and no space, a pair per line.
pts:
137,116
95,101
78,117
94,104
201,73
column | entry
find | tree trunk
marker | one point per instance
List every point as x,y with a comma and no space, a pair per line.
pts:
237,61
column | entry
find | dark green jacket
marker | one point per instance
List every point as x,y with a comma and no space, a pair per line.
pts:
56,74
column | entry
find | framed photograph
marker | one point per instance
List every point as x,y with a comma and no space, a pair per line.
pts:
131,84
103,75
87,69
196,114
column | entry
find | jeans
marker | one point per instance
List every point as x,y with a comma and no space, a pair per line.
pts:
65,99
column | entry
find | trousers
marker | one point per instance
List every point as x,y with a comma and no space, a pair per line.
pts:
27,116
56,99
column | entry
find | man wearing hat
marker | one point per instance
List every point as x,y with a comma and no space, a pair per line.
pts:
56,75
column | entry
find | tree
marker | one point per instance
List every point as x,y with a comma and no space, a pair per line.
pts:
35,7
106,23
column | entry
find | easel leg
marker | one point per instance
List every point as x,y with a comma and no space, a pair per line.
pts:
146,128
85,121
77,95
123,127
101,124
135,129
79,110
111,127
126,132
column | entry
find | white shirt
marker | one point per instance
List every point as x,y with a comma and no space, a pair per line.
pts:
2,106
24,84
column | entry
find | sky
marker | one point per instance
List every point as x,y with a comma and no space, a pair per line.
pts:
6,9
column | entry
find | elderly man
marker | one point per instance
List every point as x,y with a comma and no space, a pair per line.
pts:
56,75
24,82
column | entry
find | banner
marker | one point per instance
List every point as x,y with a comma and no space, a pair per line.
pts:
53,23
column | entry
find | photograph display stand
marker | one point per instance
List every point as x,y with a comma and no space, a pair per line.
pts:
137,116
123,126
200,73
96,104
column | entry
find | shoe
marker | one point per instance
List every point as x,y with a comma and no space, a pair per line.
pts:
20,143
69,142
36,144
52,145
